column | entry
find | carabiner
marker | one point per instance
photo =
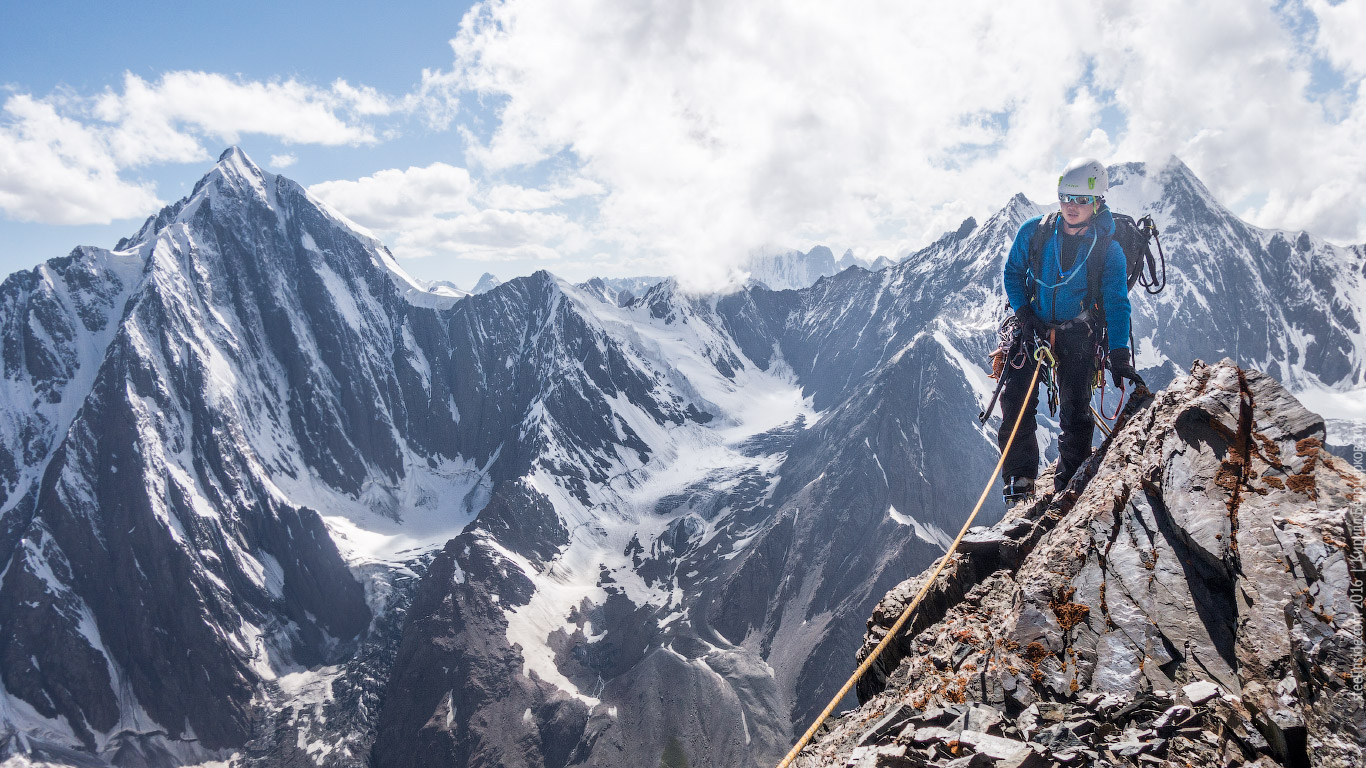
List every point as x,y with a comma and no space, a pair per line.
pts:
1044,354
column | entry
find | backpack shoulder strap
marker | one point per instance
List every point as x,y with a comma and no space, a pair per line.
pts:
1036,242
1095,273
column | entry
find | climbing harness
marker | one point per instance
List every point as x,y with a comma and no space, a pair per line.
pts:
1040,356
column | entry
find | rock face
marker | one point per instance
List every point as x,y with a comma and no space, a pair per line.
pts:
1188,600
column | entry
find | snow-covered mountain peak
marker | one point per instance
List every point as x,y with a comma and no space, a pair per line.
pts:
236,173
669,301
233,177
446,289
875,265
1175,168
662,291
1017,211
238,197
791,269
1015,206
487,282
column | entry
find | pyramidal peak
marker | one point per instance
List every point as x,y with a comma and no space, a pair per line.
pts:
235,175
233,161
486,283
236,184
1018,207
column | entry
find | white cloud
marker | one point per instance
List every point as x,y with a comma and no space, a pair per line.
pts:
1339,34
280,162
519,198
55,170
487,235
63,158
1225,87
683,136
715,128
394,198
183,106
489,232
432,210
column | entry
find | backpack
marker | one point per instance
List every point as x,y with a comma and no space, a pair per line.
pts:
1133,238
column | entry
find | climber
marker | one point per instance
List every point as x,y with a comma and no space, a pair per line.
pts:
1049,292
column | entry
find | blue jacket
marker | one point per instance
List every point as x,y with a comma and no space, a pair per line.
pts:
1059,297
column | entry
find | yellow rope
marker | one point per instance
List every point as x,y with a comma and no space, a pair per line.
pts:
1101,422
906,614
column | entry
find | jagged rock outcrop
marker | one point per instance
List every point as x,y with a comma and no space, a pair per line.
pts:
1188,600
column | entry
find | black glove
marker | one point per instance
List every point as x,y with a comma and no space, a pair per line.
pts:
1030,324
1121,368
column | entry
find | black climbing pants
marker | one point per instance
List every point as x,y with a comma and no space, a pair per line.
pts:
1075,352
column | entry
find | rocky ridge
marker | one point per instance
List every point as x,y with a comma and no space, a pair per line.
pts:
1186,601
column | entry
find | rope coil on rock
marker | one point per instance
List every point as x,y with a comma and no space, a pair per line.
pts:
925,588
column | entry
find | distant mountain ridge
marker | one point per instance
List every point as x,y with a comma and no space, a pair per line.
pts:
848,260
264,494
790,269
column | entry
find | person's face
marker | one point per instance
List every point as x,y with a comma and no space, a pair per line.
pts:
1077,214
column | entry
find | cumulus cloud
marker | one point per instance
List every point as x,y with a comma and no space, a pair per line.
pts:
519,198
280,162
1226,89
55,170
440,210
488,235
716,128
394,198
683,136
1339,33
63,158
182,106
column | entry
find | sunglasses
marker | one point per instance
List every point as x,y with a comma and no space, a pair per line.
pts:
1079,199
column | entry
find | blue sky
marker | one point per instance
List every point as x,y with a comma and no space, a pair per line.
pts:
667,136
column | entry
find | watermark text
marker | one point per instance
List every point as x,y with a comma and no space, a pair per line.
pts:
1356,563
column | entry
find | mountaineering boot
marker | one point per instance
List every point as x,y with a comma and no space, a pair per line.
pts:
1017,488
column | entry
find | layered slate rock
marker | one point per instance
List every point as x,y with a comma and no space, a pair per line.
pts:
1187,601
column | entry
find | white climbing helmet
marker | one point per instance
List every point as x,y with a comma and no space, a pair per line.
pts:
1084,176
